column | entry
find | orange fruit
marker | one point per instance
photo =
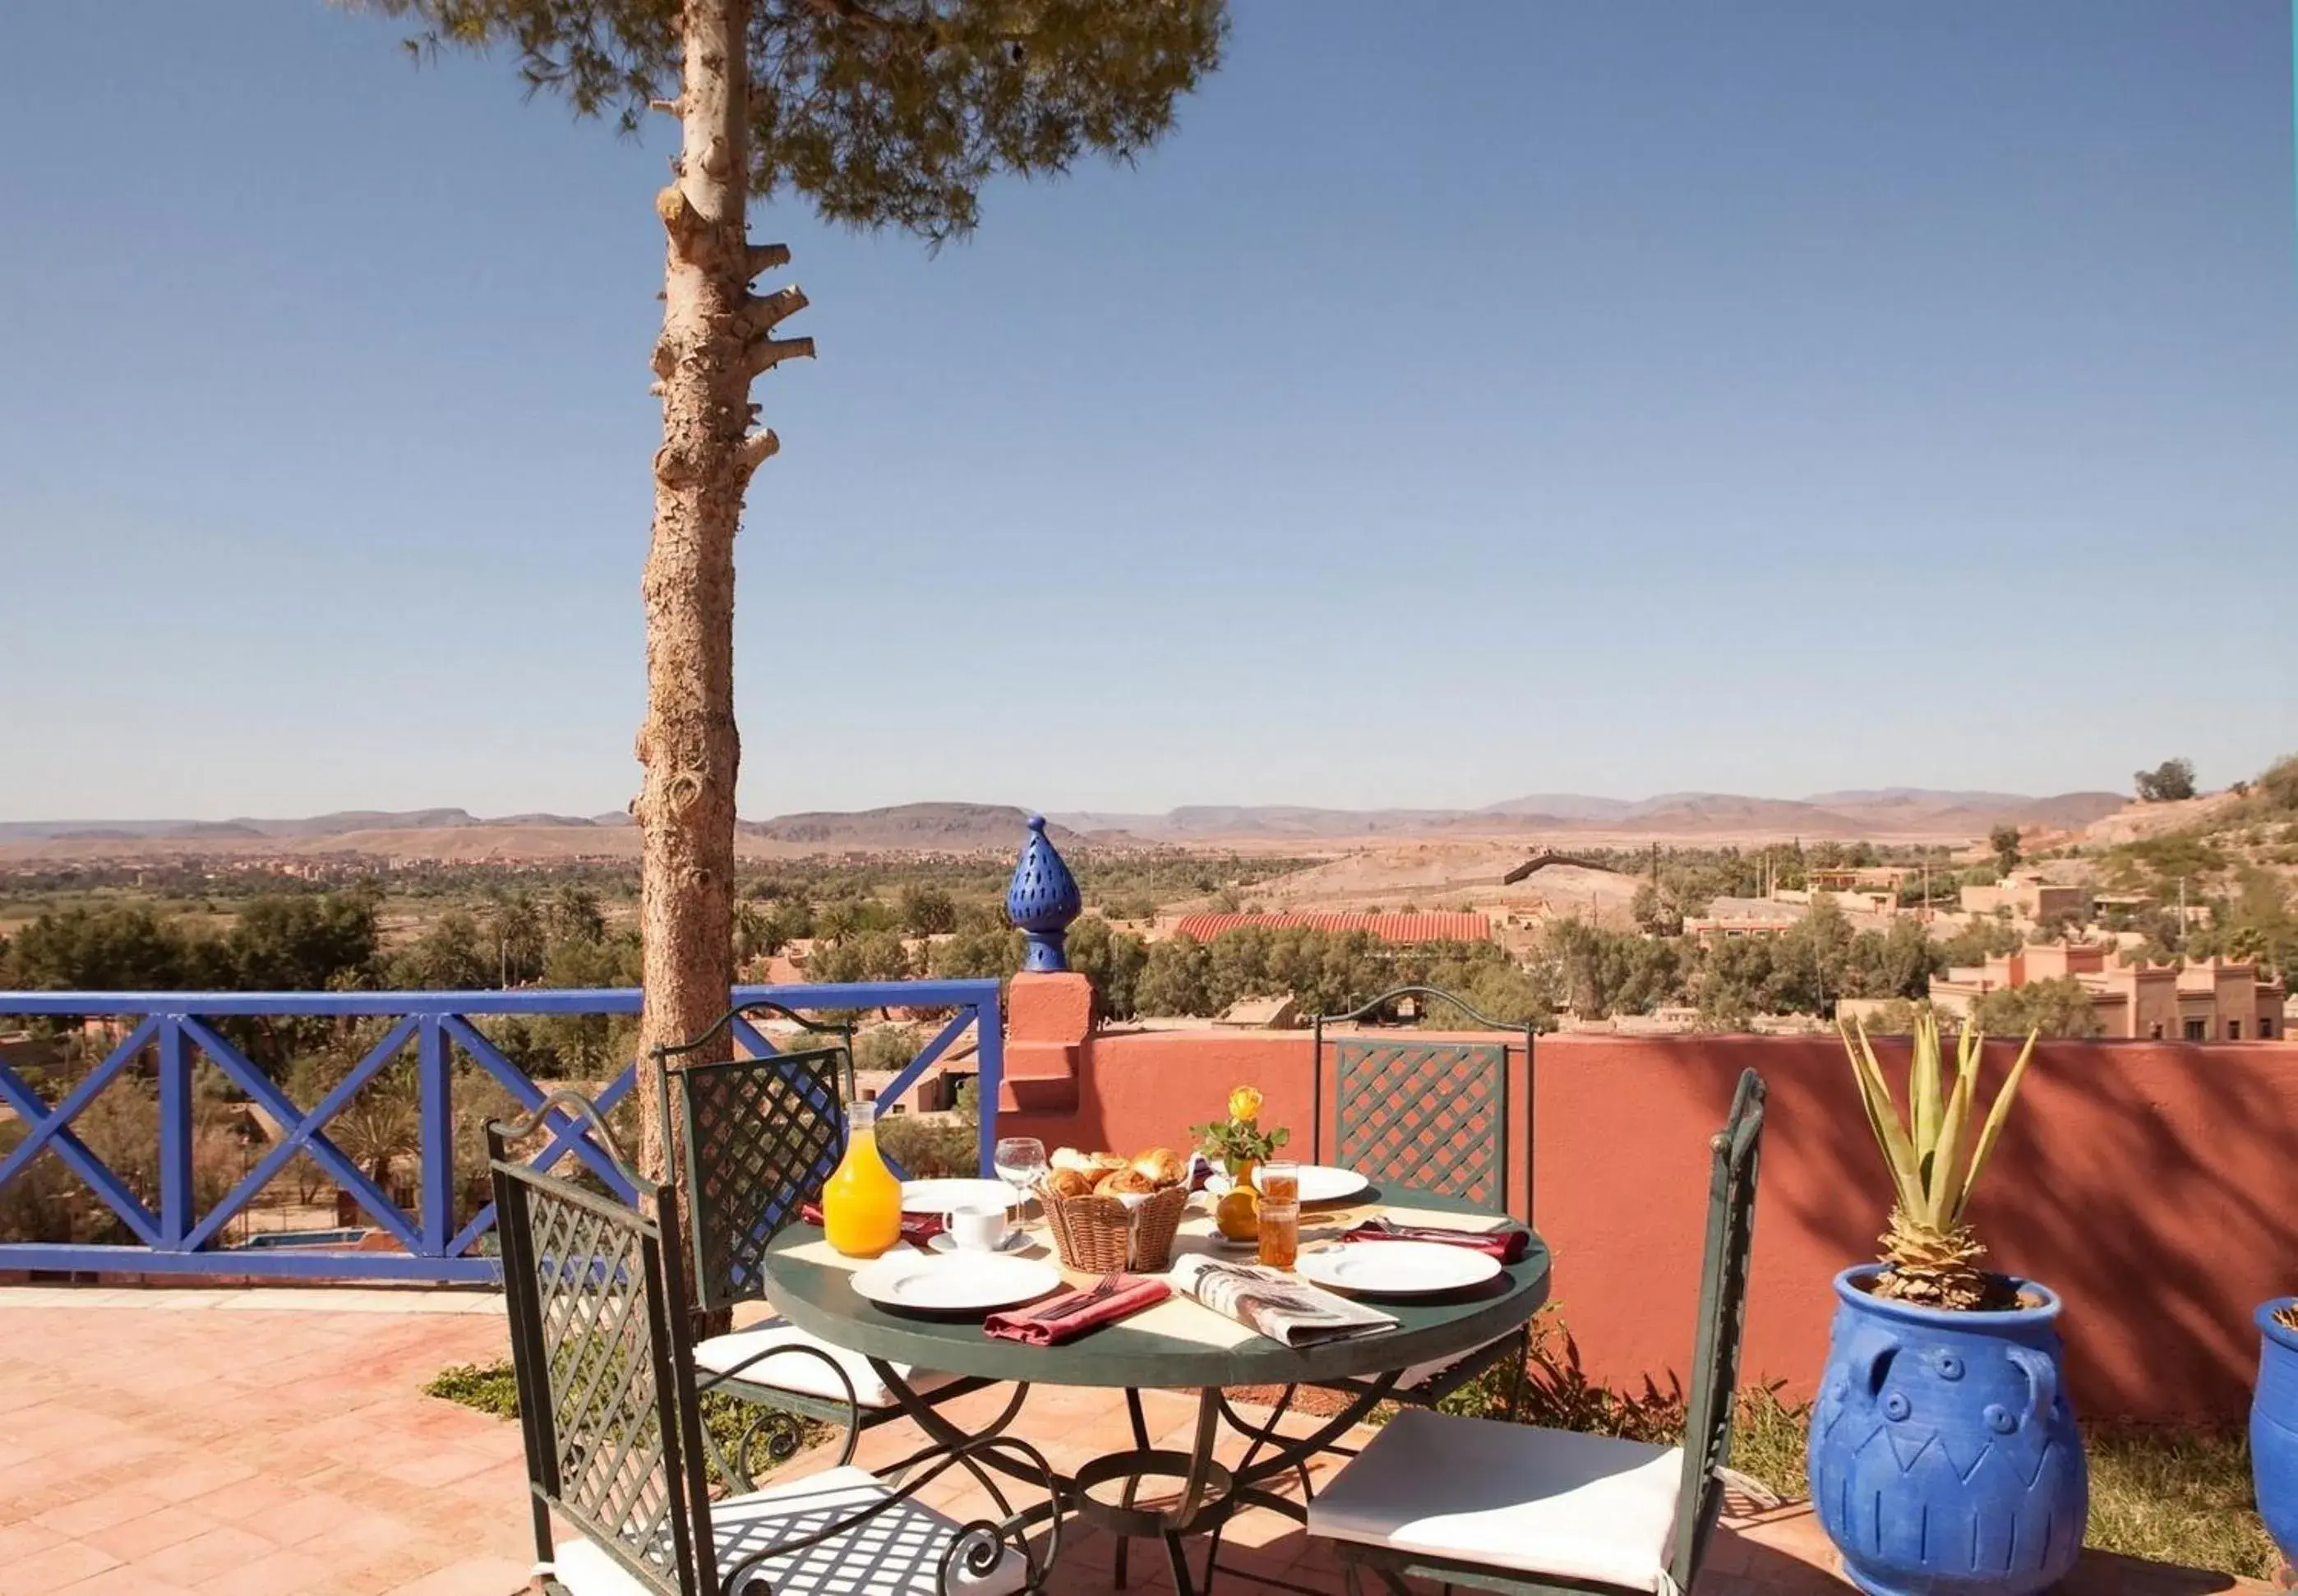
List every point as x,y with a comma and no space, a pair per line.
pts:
1239,1217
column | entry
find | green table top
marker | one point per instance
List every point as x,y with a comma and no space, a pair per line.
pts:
819,1298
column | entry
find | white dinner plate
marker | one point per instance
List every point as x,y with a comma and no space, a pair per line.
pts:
954,1282
947,1196
1397,1269
1319,1183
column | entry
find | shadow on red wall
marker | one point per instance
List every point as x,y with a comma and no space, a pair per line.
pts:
2152,1185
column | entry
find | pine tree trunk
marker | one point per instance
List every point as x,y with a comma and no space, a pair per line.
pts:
689,745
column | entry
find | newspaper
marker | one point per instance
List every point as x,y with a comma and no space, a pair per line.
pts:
1279,1305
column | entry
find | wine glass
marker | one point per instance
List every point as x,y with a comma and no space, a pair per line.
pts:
1019,1162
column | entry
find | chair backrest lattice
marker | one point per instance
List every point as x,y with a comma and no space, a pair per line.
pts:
1734,1154
1426,1116
1410,1111
607,1405
761,1138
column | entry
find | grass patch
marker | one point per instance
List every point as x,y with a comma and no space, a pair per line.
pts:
2176,1497
490,1387
493,1388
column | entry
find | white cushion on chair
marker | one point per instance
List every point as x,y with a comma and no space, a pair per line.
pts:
897,1553
807,1377
1507,1496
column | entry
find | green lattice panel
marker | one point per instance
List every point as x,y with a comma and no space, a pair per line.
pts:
1427,1115
762,1137
591,1272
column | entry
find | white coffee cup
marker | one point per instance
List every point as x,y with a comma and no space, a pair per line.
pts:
977,1229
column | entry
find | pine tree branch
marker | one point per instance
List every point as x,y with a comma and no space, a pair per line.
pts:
763,354
761,257
766,312
759,448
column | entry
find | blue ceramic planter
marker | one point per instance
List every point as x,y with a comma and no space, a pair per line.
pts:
2274,1429
1945,1459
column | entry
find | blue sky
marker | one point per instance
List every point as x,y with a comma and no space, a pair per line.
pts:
1467,401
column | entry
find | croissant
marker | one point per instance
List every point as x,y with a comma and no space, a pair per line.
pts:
1162,1165
1068,1183
1122,1182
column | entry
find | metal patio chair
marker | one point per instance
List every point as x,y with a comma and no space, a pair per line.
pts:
610,1419
758,1137
1429,1116
1505,1506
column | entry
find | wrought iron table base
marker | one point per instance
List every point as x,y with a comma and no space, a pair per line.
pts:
1211,1493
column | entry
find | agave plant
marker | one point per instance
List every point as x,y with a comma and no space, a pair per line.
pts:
1935,1161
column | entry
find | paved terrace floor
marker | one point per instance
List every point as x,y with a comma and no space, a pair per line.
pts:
264,1442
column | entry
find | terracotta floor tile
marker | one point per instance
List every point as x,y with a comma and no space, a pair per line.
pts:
56,1566
100,1510
193,1473
137,1539
127,1580
22,1540
218,1551
283,1573
480,1577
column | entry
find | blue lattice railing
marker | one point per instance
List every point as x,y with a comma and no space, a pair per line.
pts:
173,1032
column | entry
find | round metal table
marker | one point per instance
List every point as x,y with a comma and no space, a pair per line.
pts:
818,1296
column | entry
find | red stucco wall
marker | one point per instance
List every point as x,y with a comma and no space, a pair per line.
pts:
2153,1186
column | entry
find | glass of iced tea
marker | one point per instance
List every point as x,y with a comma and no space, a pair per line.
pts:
1280,1212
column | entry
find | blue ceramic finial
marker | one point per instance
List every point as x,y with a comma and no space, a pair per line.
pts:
1043,899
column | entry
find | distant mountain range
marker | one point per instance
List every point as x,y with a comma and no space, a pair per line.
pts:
1881,812
1895,812
342,823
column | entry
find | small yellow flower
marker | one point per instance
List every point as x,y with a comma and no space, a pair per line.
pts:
1244,1105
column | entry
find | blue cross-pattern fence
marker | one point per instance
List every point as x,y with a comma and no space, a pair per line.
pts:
177,1027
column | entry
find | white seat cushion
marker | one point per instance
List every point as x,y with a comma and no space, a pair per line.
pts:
807,1377
897,1553
1508,1496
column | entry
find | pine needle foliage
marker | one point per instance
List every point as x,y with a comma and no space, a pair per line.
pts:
880,113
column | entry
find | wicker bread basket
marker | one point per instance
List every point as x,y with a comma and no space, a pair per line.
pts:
1093,1234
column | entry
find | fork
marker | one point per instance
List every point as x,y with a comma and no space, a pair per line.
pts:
1105,1288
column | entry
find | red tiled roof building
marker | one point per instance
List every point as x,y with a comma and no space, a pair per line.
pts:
1446,927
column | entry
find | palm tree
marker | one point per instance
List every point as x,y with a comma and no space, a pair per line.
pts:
380,1126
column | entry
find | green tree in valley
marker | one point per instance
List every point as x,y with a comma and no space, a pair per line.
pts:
1175,978
1112,959
572,913
2004,840
2059,1007
2167,782
878,113
927,912
1656,912
106,950
298,942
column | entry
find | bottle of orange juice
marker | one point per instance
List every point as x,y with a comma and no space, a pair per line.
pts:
862,1202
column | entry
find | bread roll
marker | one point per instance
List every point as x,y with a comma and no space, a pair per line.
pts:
1123,1182
1162,1165
1069,1158
1106,1164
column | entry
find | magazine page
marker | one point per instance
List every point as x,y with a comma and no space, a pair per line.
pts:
1279,1305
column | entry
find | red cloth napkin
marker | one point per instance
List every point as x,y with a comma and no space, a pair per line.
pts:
1060,1319
917,1229
1506,1245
